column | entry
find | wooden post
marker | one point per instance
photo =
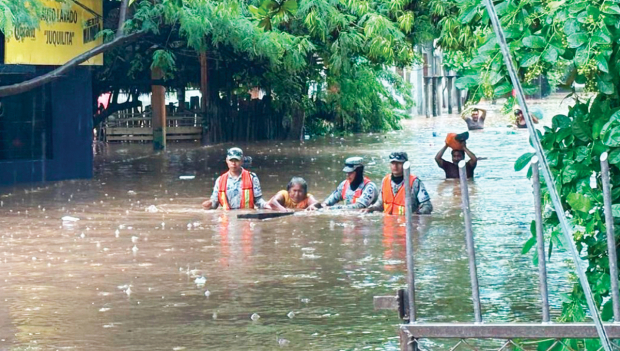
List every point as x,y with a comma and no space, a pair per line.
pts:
158,106
204,87
204,91
458,100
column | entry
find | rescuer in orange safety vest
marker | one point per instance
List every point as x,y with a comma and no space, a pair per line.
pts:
392,193
356,191
238,188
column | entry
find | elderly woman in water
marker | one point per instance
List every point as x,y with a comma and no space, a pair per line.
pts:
295,197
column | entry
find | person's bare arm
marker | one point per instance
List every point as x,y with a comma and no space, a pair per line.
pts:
312,200
276,203
483,115
438,157
473,160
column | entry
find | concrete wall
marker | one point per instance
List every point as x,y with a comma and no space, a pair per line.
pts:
69,125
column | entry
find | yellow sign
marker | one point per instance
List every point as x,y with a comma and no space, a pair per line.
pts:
64,32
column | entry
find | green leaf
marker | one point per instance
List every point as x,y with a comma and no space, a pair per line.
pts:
529,59
579,202
604,87
468,14
550,55
581,131
597,126
290,6
534,41
491,44
528,245
615,210
614,157
571,27
611,10
582,153
569,173
582,55
463,83
560,121
578,6
502,89
562,134
523,161
608,311
593,11
576,40
600,40
601,63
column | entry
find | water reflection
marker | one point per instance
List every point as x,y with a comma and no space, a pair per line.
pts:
63,289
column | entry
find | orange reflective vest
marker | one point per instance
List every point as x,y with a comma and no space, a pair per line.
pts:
394,204
358,191
247,191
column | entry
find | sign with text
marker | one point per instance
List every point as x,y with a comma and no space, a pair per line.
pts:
64,32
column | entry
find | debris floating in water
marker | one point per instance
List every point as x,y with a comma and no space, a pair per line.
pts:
305,300
207,293
291,315
254,317
69,219
117,233
283,342
200,280
134,249
187,177
131,192
152,209
134,239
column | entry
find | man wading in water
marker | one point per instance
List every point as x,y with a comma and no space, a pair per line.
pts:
459,149
356,191
238,188
392,195
476,121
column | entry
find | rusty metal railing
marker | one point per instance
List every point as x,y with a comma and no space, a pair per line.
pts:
514,335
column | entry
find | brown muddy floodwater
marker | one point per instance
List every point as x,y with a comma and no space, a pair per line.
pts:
134,272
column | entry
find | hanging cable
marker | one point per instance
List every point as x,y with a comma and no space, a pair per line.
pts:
553,192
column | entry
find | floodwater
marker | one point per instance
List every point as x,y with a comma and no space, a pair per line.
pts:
145,268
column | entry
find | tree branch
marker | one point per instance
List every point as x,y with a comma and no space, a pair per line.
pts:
18,88
121,18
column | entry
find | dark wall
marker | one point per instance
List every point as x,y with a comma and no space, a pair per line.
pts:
67,142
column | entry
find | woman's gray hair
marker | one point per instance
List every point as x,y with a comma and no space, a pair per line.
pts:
298,181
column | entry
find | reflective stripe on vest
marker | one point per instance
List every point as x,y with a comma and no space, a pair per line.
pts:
247,191
358,191
394,204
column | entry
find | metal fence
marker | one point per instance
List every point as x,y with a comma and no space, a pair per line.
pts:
509,336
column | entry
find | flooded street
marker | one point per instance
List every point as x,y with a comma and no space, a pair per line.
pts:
145,268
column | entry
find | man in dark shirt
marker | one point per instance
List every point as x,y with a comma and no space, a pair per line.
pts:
452,168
